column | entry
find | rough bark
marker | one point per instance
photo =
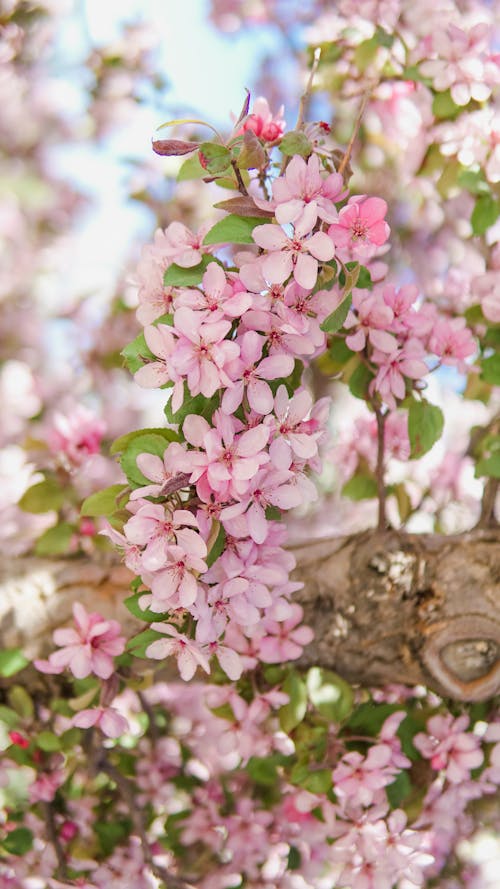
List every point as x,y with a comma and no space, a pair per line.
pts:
385,607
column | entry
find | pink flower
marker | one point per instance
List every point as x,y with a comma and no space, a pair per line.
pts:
394,367
229,660
157,527
449,747
76,435
262,122
175,584
250,373
461,64
284,640
302,186
358,777
154,374
292,434
267,488
297,255
372,322
108,719
184,247
361,224
164,473
45,787
226,460
90,648
202,352
452,342
218,297
189,655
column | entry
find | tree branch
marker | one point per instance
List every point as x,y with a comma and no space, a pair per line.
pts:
126,791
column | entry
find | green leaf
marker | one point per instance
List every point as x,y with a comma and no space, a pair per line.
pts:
489,464
48,742
55,541
217,546
12,660
121,443
192,404
294,859
403,501
359,381
191,169
70,738
233,229
263,770
335,320
365,52
145,614
293,713
318,781
20,701
368,718
111,833
178,276
399,790
490,369
138,644
425,425
360,487
151,443
8,717
364,281
214,157
296,142
136,352
18,841
474,181
330,694
443,106
485,213
103,502
43,497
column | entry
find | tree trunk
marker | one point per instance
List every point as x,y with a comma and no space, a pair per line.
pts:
385,607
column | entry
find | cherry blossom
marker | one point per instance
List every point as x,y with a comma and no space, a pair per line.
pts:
360,225
302,186
189,655
297,255
263,123
202,352
89,648
449,747
108,719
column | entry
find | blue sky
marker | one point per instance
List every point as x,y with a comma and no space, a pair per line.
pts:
206,72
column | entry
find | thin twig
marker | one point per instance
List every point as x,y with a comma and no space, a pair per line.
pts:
304,99
347,156
379,472
150,713
487,518
54,840
127,793
241,185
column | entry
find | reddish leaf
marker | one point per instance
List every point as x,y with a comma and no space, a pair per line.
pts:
173,147
244,206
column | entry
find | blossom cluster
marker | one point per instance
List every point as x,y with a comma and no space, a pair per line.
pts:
242,801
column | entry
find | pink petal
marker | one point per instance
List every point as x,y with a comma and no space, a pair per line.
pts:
270,237
253,441
321,246
306,271
277,267
260,397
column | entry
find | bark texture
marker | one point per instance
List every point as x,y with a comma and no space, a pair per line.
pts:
385,607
